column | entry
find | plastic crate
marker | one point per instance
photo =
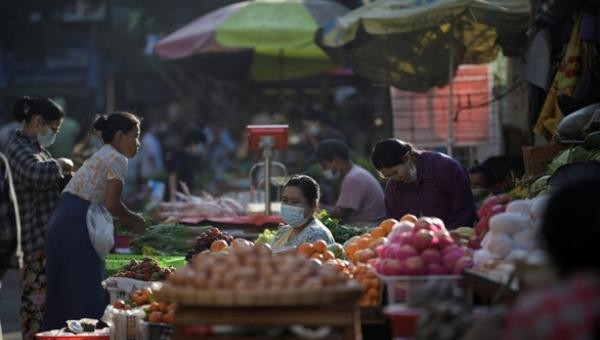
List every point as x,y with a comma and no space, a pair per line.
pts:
401,289
114,262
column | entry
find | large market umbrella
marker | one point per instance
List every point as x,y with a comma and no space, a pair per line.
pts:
280,33
415,45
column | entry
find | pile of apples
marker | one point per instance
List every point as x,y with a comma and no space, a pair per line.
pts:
422,247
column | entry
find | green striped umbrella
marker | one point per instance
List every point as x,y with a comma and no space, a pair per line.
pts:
280,32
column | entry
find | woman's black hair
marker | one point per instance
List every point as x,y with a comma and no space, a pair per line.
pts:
570,228
114,122
25,108
390,152
487,173
309,187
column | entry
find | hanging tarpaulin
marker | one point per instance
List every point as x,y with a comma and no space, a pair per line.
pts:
422,118
405,43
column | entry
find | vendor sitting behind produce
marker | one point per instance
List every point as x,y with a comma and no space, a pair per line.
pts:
424,183
299,203
360,201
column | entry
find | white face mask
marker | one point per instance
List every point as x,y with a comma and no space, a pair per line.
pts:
46,139
293,215
330,175
412,173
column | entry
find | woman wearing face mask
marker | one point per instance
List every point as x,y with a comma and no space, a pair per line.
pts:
74,268
299,202
424,183
37,179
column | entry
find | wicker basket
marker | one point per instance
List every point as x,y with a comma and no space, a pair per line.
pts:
193,297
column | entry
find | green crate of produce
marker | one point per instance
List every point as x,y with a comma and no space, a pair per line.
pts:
114,262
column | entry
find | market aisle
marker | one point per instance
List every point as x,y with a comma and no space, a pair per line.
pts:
9,305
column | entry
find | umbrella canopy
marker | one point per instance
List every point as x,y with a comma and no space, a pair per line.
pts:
409,43
280,32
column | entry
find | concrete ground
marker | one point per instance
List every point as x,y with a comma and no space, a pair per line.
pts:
10,298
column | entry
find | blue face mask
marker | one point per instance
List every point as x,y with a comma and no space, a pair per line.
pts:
330,175
292,215
46,139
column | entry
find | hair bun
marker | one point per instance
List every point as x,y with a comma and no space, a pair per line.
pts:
22,108
100,123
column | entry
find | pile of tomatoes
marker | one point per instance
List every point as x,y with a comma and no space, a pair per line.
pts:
156,312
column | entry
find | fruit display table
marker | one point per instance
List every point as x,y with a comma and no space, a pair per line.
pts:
342,316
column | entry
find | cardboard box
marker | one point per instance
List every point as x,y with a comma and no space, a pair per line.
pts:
537,158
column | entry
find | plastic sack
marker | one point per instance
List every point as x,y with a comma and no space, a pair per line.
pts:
101,229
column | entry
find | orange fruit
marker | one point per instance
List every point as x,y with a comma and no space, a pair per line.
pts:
351,249
327,255
353,239
318,256
379,232
320,246
409,218
218,245
306,249
388,224
155,317
363,242
168,317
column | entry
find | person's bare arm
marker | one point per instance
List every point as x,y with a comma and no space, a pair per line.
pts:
117,208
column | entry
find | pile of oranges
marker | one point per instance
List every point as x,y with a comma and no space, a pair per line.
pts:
317,250
363,248
364,274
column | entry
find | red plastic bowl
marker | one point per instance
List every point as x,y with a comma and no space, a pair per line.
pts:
404,319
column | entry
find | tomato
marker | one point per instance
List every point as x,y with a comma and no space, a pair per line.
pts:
162,306
155,307
168,317
155,317
119,304
171,308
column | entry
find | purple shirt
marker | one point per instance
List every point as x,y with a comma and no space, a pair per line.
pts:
443,190
361,193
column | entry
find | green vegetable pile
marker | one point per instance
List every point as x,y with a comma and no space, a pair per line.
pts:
341,233
166,239
266,237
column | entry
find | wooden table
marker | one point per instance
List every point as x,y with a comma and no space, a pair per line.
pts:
345,317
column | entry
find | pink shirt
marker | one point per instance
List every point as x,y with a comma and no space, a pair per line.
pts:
361,192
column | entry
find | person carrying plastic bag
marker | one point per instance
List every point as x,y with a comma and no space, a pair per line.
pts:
80,230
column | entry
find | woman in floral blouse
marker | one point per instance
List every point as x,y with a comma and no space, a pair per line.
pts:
37,179
74,269
299,203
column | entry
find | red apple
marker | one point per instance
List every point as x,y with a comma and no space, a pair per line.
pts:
414,266
438,223
443,241
424,223
422,239
402,227
436,269
462,264
431,255
451,258
449,248
390,267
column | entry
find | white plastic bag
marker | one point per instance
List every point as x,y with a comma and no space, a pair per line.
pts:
101,229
